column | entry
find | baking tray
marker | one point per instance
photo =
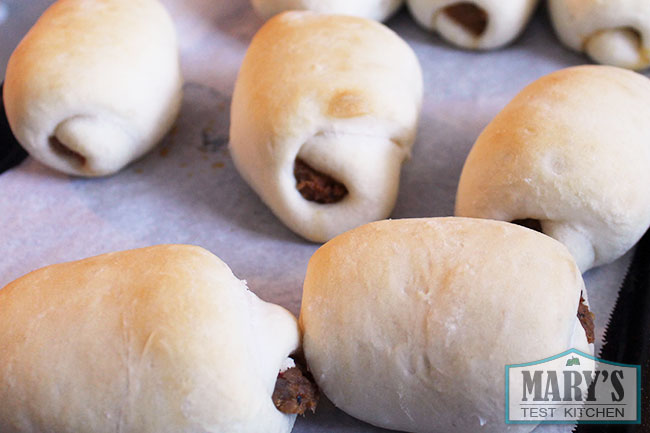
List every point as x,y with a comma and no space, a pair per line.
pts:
188,191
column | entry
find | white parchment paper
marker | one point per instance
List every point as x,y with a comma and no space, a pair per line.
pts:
188,191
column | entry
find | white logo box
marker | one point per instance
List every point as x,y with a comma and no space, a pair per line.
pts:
573,387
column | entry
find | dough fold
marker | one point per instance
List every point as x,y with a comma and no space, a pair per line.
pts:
612,32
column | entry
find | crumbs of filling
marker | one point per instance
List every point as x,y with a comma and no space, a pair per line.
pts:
586,318
295,391
316,186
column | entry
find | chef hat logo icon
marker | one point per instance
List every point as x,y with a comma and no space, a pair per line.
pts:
572,361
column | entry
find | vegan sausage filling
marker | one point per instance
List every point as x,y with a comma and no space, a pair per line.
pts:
470,16
316,186
586,318
295,391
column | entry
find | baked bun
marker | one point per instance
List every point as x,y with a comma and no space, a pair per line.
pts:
476,25
94,84
159,339
324,112
379,10
613,32
408,324
572,152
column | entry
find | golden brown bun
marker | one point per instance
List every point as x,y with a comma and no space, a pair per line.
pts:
159,339
94,84
408,324
572,150
342,94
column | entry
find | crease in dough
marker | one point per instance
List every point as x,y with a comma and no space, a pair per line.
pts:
73,135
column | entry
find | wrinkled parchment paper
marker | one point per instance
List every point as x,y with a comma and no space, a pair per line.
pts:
188,191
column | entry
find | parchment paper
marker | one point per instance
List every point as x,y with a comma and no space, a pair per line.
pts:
188,191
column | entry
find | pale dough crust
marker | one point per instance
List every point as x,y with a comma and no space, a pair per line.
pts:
159,339
506,19
408,324
94,84
379,10
613,32
571,150
343,94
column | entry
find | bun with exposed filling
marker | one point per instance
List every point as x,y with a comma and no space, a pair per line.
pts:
94,84
476,25
612,32
159,339
408,324
324,113
571,155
